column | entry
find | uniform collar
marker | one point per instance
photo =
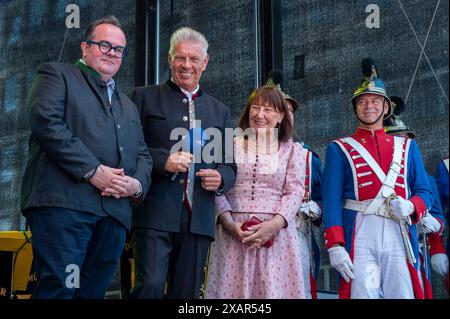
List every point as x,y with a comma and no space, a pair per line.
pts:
367,132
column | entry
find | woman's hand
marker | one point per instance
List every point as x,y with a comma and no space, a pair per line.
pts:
233,228
264,231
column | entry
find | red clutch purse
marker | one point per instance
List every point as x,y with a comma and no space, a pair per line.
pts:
253,220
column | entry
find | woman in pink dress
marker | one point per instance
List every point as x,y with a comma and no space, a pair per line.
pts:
269,186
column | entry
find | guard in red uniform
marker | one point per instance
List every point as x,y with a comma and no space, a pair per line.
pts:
375,191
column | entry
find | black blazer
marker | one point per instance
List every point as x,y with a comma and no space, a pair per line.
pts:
163,108
73,130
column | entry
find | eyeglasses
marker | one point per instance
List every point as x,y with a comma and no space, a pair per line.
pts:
105,47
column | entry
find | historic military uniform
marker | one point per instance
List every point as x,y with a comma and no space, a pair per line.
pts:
312,217
362,173
437,250
431,226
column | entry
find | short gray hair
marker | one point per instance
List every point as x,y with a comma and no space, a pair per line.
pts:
187,34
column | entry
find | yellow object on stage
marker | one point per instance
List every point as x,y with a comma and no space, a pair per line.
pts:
19,244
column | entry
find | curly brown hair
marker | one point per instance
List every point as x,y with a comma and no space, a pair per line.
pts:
272,96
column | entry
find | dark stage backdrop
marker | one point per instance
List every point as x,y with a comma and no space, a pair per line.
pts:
322,44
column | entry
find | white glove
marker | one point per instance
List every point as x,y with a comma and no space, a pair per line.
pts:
439,263
310,209
402,207
340,260
429,224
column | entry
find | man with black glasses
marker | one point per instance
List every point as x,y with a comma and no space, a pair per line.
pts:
87,164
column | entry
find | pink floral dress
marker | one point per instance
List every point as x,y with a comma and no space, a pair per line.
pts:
265,185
